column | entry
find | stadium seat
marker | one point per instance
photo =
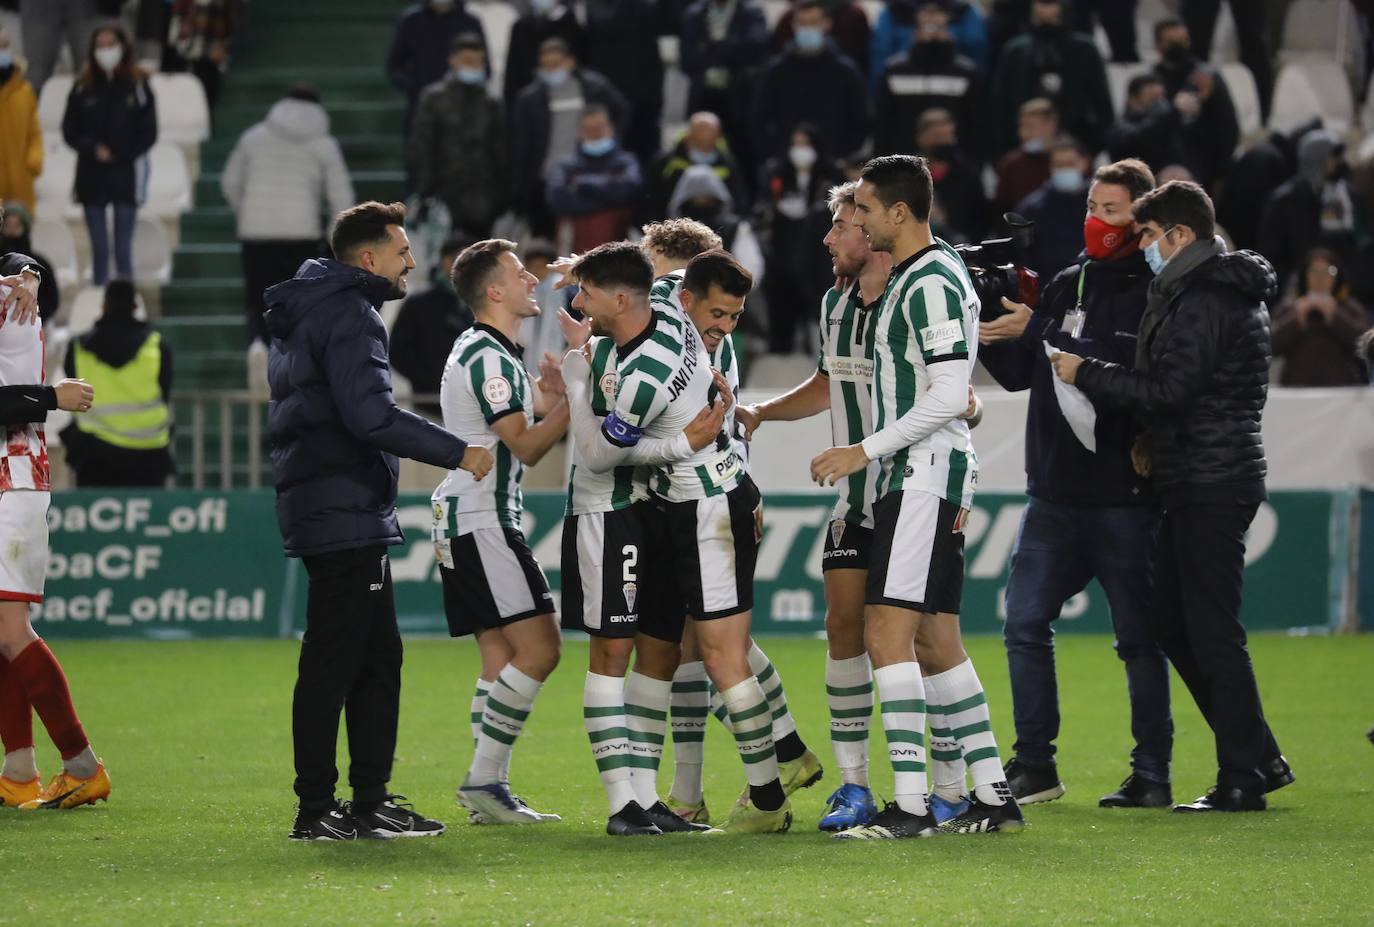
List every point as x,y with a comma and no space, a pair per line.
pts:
85,309
1312,28
53,239
183,117
152,251
53,189
1295,101
1245,95
168,182
52,105
772,11
1312,86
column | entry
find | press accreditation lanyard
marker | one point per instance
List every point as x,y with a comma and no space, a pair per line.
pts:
1073,319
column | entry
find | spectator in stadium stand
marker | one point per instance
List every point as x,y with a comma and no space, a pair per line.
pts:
111,122
703,144
958,180
1199,384
1118,21
931,73
1252,35
592,192
622,46
1057,210
1006,19
1051,61
1022,170
810,81
45,24
1090,513
794,188
420,48
1317,325
15,238
458,143
426,326
21,135
701,195
1150,128
543,126
125,440
895,30
1209,127
539,20
723,46
198,36
281,174
1316,208
849,29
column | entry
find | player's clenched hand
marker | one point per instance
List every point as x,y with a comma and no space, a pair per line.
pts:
747,417
74,395
706,427
1140,457
21,303
576,333
477,460
833,465
723,385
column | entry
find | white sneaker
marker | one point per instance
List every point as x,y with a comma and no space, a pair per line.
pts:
497,805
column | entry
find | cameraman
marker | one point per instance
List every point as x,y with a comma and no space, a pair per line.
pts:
1089,515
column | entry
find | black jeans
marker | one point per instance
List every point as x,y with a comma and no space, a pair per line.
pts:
1118,21
265,264
1059,550
350,661
1199,567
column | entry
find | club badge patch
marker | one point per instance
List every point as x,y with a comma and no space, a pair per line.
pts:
496,389
631,591
836,532
608,383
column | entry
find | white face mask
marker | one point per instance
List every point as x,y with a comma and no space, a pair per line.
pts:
108,58
802,158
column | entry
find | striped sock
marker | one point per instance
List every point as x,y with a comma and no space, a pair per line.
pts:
849,689
690,703
603,714
503,718
479,705
902,700
753,724
948,774
718,708
787,741
965,714
646,722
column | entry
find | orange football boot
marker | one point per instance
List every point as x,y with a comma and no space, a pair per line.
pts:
67,791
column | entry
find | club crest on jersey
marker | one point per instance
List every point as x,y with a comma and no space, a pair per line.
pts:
607,384
631,591
836,532
497,389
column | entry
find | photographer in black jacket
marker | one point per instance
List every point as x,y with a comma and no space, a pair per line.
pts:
1089,513
1200,381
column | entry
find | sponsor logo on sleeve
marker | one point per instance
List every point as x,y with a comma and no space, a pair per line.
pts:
939,337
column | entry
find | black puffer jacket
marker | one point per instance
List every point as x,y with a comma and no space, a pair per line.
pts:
1201,378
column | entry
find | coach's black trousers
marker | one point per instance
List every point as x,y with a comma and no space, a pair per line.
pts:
350,661
1199,562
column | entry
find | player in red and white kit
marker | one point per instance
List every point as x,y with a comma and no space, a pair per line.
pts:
30,676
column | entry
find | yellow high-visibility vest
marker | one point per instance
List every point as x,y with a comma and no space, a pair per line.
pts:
128,410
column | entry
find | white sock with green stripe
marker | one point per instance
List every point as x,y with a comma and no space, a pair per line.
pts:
718,707
690,701
768,678
849,689
902,700
479,705
965,714
646,723
948,774
503,718
753,725
603,714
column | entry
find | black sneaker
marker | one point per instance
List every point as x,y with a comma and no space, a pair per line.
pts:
1219,799
335,823
667,822
892,823
1032,784
392,819
981,818
1277,774
632,821
1137,792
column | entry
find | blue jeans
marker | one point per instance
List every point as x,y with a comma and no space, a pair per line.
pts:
97,225
1059,549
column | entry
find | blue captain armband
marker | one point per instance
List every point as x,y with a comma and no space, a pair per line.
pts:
621,433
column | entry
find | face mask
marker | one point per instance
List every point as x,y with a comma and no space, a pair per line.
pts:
595,148
1066,179
809,39
1034,146
554,78
471,75
1179,56
1102,240
701,157
543,6
1153,257
802,158
108,58
6,58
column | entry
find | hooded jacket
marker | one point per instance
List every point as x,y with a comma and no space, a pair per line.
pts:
822,88
336,430
21,137
1292,223
284,172
1061,65
1200,381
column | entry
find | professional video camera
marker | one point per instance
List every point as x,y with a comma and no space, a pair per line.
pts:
998,269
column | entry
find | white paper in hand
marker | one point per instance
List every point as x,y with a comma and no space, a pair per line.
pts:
1077,409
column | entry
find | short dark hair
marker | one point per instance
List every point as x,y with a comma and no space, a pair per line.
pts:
680,239
596,109
1069,142
364,224
902,179
1168,22
473,269
555,43
303,92
800,5
616,263
466,41
1178,202
1140,82
717,267
1132,173
120,298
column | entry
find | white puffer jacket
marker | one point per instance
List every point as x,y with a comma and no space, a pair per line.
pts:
284,172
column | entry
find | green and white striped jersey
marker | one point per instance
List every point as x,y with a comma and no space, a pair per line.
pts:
484,381
846,358
667,286
621,487
929,315
663,381
726,361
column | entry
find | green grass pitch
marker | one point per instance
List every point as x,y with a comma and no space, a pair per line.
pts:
197,739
